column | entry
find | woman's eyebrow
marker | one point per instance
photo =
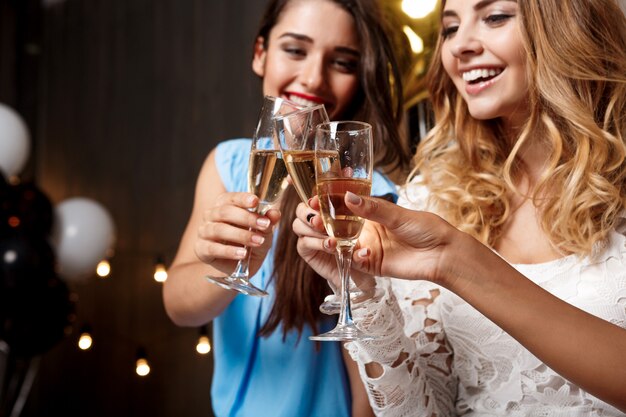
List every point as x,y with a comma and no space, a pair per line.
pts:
477,6
298,36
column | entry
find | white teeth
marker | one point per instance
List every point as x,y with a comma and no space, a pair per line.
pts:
302,101
480,73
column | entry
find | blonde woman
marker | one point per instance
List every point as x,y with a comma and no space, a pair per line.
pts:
511,247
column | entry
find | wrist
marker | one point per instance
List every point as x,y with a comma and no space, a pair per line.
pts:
464,261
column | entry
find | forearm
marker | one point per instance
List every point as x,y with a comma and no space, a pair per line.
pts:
189,299
398,370
360,403
583,348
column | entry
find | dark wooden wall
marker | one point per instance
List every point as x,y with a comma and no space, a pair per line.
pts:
124,99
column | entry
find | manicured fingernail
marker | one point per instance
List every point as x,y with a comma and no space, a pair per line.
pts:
326,244
258,239
363,253
241,252
309,217
251,200
353,198
263,222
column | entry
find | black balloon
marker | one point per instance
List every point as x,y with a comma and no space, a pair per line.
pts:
33,322
35,305
25,263
26,209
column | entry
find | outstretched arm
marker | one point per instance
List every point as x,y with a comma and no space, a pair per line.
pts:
583,348
212,244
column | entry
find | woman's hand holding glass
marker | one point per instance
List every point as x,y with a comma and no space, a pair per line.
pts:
394,242
320,251
408,244
231,224
267,179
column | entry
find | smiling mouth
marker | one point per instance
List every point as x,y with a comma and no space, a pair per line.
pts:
303,101
476,76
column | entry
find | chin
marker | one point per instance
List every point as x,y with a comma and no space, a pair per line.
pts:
483,114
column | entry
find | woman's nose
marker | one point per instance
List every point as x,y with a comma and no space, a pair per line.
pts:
313,75
466,42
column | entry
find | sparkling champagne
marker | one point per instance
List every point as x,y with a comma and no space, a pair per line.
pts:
267,176
301,167
339,221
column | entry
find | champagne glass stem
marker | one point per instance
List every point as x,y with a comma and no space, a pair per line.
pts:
243,266
242,270
344,262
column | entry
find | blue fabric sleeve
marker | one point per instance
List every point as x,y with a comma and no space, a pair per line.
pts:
231,159
382,186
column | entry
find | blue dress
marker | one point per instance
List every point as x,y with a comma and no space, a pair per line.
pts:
268,376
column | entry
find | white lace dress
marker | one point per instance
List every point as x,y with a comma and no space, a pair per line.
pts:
442,357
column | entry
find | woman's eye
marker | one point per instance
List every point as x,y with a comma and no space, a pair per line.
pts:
497,18
448,31
294,51
347,66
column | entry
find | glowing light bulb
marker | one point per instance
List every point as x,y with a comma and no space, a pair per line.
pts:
142,367
204,345
160,272
103,269
417,9
85,341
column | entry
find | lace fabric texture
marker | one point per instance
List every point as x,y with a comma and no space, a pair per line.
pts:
441,357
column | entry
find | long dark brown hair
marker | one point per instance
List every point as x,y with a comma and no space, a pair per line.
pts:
299,290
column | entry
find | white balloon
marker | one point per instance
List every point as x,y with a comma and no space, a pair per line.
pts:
14,142
82,234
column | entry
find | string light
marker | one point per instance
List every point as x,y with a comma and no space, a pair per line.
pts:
85,340
14,221
142,368
160,272
103,269
204,344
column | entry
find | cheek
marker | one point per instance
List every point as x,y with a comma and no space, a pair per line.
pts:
449,65
344,90
277,76
451,71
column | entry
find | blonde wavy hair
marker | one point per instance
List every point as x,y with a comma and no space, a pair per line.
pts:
576,67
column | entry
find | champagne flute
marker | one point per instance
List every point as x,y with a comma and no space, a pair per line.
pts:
296,137
267,179
343,162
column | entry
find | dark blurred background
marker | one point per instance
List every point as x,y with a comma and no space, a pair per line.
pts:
123,100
